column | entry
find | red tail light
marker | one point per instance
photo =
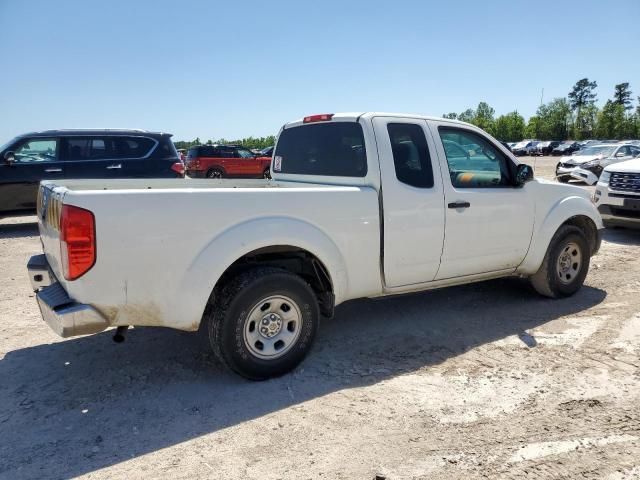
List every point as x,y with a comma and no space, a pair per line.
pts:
324,117
178,167
77,241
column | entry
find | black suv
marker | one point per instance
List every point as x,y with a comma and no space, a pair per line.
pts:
60,154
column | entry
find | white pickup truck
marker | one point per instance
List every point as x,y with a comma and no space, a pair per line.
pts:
360,205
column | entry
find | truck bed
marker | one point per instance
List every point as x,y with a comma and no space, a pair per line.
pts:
161,244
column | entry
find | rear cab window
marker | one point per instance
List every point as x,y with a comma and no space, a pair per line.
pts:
334,149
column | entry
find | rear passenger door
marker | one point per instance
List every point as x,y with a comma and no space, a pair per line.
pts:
88,157
131,157
412,201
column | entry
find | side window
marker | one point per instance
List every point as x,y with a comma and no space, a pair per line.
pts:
101,148
76,148
473,161
411,154
243,153
36,150
226,152
133,147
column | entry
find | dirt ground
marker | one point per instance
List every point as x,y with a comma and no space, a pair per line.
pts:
482,381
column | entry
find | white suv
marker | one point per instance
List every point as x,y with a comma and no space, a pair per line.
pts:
617,194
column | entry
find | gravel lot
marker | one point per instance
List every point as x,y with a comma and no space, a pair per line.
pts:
486,380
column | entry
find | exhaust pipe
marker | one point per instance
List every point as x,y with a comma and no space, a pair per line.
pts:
119,336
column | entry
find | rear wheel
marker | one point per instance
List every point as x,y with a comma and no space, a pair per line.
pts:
266,173
565,264
263,323
215,173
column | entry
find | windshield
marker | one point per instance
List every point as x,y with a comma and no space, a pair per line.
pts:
521,144
603,150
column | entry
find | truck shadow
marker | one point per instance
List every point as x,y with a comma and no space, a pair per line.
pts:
622,236
18,230
73,407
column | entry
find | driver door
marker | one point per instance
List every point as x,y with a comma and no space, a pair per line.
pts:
488,220
36,159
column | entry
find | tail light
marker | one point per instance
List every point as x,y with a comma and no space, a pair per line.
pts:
77,241
178,167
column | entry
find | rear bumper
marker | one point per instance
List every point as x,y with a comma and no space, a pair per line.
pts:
64,316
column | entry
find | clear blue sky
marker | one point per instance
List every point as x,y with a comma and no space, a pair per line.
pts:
237,68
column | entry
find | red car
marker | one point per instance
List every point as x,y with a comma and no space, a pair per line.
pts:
226,161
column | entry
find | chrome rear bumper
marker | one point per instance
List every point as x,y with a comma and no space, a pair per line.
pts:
65,317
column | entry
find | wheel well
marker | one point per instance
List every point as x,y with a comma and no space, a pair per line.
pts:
294,260
589,228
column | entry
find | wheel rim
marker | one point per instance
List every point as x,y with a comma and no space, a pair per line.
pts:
272,327
569,263
215,174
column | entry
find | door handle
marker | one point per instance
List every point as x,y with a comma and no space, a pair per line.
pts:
52,170
459,205
114,167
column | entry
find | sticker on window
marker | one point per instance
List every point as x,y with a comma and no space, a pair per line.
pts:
277,163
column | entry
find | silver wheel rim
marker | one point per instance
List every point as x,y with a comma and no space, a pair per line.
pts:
569,263
215,174
272,327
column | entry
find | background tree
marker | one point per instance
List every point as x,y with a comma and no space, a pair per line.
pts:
532,129
467,116
553,120
582,95
510,127
484,119
622,95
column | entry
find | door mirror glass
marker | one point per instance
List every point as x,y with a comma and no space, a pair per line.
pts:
9,157
620,154
524,173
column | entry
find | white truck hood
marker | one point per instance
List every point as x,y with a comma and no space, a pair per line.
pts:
630,166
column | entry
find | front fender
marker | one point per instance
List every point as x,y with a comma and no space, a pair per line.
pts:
222,251
563,210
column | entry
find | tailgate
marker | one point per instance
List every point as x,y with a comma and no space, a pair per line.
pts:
49,209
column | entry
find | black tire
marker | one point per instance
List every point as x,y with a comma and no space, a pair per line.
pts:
266,173
229,318
563,179
215,173
549,281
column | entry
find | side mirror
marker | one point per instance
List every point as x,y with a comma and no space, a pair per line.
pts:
524,173
620,154
9,157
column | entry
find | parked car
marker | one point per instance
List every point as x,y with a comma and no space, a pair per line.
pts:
545,148
617,194
259,263
526,147
226,161
67,154
266,152
587,164
566,148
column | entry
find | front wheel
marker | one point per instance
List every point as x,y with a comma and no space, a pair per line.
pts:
263,322
565,265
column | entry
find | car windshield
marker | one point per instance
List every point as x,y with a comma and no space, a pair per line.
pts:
521,144
602,150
